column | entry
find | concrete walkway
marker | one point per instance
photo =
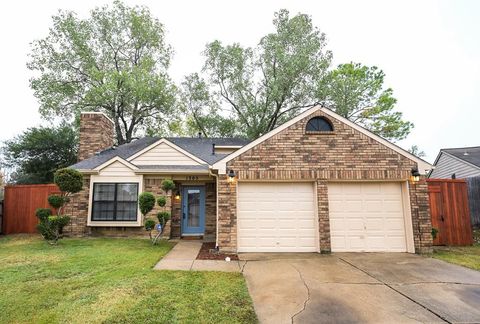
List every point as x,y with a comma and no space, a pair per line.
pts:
183,257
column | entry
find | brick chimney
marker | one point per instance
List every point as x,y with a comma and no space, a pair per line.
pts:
96,134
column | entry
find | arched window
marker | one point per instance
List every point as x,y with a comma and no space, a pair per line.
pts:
319,124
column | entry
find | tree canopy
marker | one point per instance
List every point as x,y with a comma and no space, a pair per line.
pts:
38,152
356,92
256,89
114,61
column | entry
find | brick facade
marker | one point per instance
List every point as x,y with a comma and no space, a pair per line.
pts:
96,134
344,154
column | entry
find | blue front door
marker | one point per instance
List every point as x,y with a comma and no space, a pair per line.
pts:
193,210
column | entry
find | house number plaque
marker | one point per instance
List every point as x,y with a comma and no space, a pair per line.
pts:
191,177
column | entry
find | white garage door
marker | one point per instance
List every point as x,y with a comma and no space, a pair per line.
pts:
276,217
366,217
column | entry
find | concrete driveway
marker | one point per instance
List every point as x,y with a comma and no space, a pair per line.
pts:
360,287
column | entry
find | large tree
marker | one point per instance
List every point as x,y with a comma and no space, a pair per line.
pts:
264,86
114,61
259,88
203,111
357,92
37,153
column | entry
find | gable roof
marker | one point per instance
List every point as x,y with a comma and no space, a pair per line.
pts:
201,148
472,157
423,166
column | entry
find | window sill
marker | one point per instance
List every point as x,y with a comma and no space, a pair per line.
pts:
319,133
113,224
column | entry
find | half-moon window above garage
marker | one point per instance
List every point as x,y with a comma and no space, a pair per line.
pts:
319,124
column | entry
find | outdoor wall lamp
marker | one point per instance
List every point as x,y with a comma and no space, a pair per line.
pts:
415,176
231,176
177,195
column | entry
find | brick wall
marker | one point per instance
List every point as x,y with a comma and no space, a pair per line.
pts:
293,154
77,209
96,134
421,221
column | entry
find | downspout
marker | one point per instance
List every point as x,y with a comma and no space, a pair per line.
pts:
216,205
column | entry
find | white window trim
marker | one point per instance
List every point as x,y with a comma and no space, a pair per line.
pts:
100,179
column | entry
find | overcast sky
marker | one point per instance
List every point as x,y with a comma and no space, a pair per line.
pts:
429,51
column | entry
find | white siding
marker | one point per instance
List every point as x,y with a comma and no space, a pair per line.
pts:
448,165
116,169
163,154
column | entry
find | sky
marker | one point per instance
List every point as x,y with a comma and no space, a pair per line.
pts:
429,51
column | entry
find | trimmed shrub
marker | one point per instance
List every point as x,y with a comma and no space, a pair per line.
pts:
162,201
56,201
149,224
163,217
68,180
146,202
168,185
43,213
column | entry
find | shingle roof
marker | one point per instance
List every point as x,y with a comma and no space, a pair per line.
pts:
199,147
472,154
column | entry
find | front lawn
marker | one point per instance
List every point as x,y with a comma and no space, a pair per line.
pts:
467,256
111,281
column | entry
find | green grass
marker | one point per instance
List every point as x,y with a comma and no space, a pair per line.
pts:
467,256
110,280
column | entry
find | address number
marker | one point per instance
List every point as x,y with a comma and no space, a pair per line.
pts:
191,177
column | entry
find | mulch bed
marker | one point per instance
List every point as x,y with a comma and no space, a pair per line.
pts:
205,253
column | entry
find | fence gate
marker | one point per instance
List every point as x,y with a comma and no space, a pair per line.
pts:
449,211
19,205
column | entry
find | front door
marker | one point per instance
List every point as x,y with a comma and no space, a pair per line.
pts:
193,210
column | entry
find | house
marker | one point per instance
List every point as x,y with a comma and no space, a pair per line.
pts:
462,162
317,183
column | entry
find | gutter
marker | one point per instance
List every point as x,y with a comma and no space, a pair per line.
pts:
216,205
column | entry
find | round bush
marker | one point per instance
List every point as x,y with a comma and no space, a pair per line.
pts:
68,180
56,201
59,221
168,185
162,201
43,213
149,224
146,202
163,217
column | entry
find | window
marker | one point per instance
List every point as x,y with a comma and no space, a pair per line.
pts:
115,202
319,124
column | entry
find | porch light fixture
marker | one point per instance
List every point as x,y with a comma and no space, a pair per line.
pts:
177,195
415,177
231,176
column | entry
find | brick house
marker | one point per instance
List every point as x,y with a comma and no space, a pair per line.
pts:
317,183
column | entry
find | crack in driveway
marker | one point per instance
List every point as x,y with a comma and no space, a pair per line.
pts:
396,290
308,293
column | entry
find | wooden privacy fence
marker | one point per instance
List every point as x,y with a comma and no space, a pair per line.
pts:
449,211
19,205
473,185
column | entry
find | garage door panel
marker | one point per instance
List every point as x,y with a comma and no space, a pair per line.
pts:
276,217
366,217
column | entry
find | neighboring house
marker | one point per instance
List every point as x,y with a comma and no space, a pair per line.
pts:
316,183
463,162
